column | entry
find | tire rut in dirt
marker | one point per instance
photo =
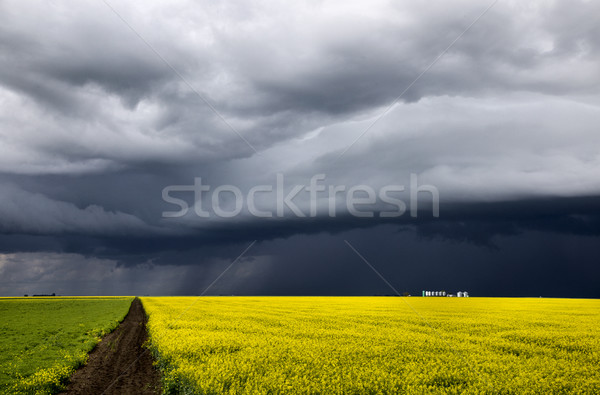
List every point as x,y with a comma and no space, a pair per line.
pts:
119,364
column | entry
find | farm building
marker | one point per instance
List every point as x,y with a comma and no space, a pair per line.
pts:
460,294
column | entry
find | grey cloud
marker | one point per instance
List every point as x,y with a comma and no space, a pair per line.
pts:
73,274
274,77
364,62
30,213
474,149
93,125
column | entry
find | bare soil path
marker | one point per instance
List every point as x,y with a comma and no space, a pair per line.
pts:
119,363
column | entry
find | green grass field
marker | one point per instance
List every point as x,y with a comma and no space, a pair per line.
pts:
376,345
42,340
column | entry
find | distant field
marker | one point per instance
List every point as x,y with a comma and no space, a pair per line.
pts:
341,345
42,340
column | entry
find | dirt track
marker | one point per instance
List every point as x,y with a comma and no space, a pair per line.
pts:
113,367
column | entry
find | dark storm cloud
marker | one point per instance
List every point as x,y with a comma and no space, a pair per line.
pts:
93,126
531,264
27,213
279,74
474,223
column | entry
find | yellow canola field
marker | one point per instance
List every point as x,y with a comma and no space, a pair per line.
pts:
375,345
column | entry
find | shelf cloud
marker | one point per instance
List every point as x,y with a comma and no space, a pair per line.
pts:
103,105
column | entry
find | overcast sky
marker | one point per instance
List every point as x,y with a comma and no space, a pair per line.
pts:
103,105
